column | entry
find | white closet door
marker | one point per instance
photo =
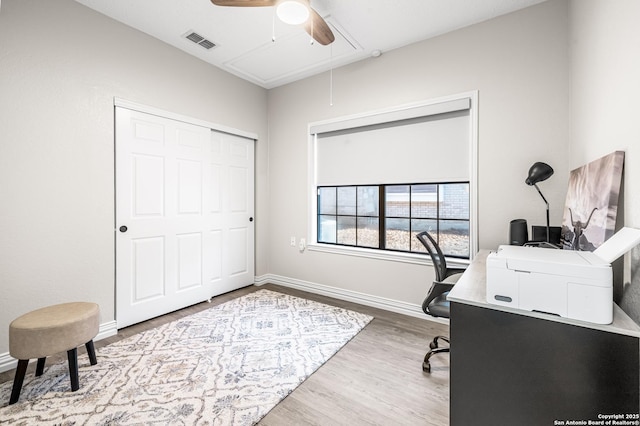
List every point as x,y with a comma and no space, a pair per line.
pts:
230,206
174,229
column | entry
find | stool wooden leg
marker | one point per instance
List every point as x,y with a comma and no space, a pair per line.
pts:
72,355
18,380
91,351
40,366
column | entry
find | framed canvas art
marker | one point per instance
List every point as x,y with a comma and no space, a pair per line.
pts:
591,207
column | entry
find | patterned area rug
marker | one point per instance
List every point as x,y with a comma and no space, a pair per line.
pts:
227,365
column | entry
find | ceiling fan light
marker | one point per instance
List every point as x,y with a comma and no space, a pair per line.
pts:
293,12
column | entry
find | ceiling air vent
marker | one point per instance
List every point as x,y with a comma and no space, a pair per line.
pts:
198,39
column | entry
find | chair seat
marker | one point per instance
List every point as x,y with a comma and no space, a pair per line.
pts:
453,278
439,307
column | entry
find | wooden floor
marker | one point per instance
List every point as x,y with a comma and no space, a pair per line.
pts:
376,379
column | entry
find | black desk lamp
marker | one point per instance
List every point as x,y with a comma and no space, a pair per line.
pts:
537,173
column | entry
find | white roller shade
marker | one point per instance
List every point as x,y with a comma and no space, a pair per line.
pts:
431,148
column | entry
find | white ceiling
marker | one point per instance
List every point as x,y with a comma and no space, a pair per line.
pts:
243,35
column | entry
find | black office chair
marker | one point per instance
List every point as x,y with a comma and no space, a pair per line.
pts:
436,303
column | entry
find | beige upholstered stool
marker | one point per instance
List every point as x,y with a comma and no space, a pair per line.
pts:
48,331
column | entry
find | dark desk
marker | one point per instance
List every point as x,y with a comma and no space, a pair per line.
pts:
513,367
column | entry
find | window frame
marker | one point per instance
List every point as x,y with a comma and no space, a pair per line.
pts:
388,115
383,215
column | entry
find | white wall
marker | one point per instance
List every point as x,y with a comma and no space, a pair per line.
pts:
605,89
61,65
519,63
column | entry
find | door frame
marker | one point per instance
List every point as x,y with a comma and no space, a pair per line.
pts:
119,102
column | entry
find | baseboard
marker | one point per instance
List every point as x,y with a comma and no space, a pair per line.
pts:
107,329
349,295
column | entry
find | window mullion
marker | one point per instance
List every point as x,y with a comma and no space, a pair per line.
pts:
438,213
357,214
382,214
410,214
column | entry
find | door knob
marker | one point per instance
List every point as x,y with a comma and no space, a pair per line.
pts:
123,228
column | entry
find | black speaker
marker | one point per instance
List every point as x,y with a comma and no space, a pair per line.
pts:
518,233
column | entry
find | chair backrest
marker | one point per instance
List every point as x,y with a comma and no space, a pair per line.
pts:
439,263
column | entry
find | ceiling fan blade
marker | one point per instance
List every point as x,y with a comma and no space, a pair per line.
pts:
318,28
244,3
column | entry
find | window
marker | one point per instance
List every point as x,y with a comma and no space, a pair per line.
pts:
388,217
378,178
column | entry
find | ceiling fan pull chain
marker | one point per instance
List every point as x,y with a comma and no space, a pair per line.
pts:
273,27
312,40
331,76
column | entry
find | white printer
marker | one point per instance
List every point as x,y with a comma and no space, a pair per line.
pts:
571,284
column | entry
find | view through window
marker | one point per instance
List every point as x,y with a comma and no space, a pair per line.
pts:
388,217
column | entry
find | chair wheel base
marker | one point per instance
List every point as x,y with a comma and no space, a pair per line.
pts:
435,349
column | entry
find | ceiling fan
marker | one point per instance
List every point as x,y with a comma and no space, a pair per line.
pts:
293,12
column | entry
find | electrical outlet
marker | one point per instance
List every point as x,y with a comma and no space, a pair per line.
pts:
302,244
293,241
